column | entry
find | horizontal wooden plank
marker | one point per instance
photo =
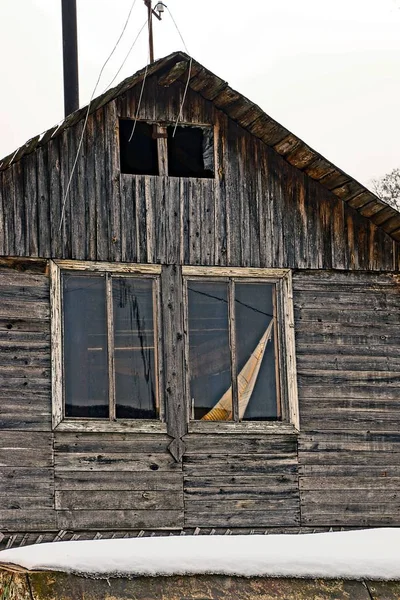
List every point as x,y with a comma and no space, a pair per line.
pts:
233,444
28,520
240,493
22,502
372,301
359,318
11,278
355,482
109,442
13,308
243,518
36,422
25,457
330,447
130,519
387,379
352,457
241,480
347,499
23,325
389,439
118,500
351,470
118,480
244,464
81,461
318,277
93,266
344,362
345,519
26,481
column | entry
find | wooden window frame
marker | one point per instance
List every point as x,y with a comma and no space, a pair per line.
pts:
161,134
59,420
285,347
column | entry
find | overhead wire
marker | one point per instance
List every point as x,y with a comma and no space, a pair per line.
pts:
179,117
88,111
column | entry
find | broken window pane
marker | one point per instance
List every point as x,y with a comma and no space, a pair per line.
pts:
85,346
190,151
134,348
138,152
255,351
209,354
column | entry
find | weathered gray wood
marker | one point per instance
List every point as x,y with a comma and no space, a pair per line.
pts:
118,500
114,462
28,519
173,358
110,442
104,519
116,480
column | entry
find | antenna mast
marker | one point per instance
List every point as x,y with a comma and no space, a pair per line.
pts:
159,9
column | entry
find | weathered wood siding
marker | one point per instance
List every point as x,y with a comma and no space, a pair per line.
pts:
26,441
259,210
348,359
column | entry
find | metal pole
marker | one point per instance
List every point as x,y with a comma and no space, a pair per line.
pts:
150,25
70,56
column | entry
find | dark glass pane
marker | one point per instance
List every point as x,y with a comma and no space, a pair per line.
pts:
209,353
134,348
138,152
85,346
190,151
255,351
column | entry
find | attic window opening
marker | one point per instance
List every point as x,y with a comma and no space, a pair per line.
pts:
190,151
138,152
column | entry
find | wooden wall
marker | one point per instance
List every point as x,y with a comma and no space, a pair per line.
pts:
342,470
348,361
259,210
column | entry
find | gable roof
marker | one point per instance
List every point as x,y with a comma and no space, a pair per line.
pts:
249,116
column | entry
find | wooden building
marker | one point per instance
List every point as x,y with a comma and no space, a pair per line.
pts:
201,332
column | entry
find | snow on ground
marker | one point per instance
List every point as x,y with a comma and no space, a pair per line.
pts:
372,554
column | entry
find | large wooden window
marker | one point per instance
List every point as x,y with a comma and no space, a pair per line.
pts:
240,345
107,342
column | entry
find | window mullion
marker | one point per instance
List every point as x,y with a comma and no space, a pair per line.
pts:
232,347
110,348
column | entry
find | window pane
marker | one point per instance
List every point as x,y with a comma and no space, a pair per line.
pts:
85,346
255,348
138,152
190,151
134,347
209,353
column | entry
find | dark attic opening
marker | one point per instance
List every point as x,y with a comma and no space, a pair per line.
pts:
138,148
190,151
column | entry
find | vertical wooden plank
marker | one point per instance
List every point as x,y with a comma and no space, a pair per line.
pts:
56,345
207,221
66,163
172,220
43,184
232,349
29,175
102,222
161,238
194,205
128,218
337,231
220,190
290,349
265,217
21,207
113,183
232,196
55,196
243,224
141,228
90,189
173,358
77,191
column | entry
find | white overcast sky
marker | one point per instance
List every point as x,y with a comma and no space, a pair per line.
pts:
328,70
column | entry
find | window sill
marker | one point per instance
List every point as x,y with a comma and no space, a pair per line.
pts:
120,426
245,427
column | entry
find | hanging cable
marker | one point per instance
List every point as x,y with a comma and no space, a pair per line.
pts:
127,56
87,114
139,103
179,117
